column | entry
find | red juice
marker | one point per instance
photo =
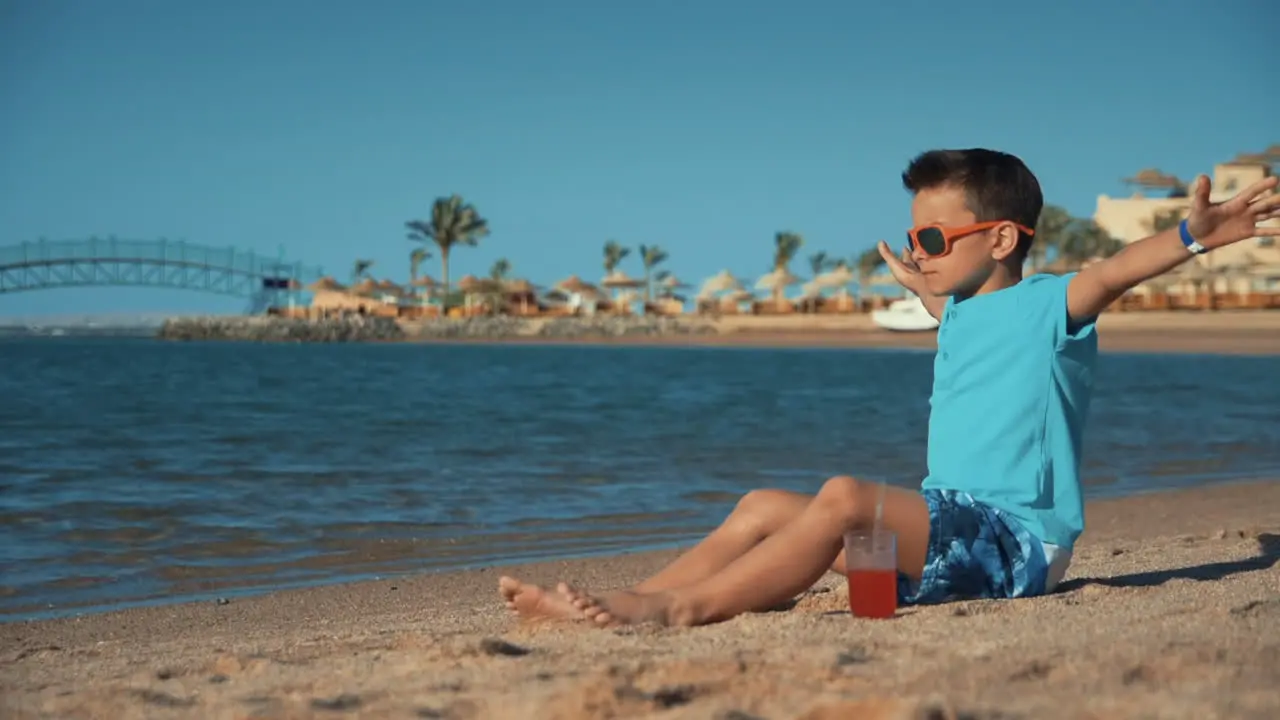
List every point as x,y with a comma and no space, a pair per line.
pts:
873,593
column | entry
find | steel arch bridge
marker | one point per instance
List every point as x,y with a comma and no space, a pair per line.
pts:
48,264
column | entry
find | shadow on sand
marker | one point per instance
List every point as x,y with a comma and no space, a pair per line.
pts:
1267,557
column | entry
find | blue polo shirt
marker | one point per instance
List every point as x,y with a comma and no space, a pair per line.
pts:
1012,382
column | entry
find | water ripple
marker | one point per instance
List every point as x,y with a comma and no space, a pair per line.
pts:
136,471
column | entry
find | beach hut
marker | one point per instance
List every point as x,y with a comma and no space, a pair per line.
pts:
668,301
619,281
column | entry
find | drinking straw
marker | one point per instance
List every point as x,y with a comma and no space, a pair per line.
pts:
875,527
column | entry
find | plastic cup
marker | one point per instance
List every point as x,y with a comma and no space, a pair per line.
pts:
871,564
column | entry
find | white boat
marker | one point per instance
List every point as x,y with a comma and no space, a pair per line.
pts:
905,316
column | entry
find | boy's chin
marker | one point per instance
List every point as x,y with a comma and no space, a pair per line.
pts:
937,287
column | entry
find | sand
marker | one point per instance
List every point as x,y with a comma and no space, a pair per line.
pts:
1171,609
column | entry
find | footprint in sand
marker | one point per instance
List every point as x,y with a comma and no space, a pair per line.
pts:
531,602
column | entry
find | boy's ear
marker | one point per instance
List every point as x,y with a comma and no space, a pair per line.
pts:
1005,241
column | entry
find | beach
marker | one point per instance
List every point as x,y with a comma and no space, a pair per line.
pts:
1227,332
1171,609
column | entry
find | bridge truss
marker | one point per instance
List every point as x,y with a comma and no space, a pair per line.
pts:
264,281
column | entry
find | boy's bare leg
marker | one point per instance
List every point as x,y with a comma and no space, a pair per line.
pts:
758,514
777,569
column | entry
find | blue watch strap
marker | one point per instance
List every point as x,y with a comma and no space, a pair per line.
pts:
1193,246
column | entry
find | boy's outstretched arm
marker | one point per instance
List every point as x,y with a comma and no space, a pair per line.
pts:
1212,225
904,270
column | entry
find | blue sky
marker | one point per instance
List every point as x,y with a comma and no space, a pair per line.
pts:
698,126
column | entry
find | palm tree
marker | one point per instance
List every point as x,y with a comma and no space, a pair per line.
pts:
500,270
652,256
820,262
453,222
360,269
1163,220
614,254
785,247
1051,234
1085,240
867,263
416,258
499,273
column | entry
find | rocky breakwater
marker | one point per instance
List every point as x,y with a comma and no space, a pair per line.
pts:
278,329
368,329
598,327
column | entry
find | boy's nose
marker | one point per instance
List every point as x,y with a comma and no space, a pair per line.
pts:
916,255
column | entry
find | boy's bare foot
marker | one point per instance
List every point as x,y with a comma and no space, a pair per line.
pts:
618,608
531,602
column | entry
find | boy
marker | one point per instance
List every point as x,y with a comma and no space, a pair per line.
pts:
1001,507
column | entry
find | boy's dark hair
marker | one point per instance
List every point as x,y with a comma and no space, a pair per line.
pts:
997,186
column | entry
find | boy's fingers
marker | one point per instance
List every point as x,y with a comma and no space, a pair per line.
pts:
1266,204
1251,193
908,261
897,266
1200,193
887,255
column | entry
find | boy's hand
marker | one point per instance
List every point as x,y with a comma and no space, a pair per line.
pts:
904,269
907,273
1214,225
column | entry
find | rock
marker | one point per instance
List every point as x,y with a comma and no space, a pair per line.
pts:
372,329
278,329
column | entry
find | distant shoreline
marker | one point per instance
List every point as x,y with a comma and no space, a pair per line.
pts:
1222,333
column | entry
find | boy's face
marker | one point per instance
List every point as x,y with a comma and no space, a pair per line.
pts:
973,257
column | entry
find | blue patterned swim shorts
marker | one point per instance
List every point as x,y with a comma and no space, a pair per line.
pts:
975,552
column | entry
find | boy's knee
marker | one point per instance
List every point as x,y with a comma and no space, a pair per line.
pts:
844,497
755,509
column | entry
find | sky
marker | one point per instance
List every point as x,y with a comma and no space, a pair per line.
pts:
703,127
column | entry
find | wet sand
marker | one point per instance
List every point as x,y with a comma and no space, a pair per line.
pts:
1227,333
1171,609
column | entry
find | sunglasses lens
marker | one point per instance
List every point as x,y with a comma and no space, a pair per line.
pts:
931,241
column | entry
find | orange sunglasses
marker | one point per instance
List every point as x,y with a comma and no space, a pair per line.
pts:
936,240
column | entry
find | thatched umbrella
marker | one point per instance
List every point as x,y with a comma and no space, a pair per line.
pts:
667,286
471,284
1254,159
367,286
575,285
1154,178
387,287
777,283
524,289
326,284
619,281
721,282
839,278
